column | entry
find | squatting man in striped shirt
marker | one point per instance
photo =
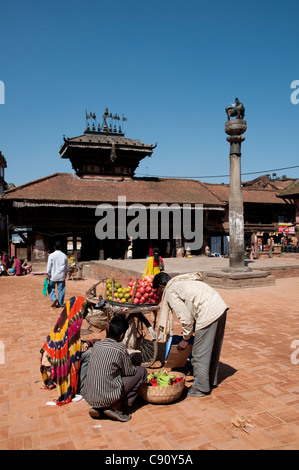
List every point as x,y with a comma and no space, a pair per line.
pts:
199,308
112,382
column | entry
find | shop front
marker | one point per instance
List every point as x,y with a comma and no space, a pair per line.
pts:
268,242
289,239
283,240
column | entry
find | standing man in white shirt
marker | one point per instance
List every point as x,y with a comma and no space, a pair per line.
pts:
57,269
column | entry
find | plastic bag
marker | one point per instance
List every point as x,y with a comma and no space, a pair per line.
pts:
45,288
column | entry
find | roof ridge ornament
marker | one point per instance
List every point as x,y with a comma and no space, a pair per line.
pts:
108,126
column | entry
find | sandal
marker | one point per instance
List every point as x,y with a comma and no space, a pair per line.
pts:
95,413
195,393
117,414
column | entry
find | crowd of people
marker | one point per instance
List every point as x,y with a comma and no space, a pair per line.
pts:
102,372
13,266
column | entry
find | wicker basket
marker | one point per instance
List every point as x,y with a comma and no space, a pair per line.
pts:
163,394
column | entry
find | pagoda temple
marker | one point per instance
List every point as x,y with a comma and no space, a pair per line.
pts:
103,150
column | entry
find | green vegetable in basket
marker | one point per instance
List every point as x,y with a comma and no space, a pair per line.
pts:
161,378
164,381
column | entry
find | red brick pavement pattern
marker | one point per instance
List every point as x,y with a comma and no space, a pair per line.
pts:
259,382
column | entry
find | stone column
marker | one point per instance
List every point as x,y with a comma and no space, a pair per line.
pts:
235,129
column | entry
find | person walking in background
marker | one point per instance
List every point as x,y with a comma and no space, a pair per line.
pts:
5,260
154,263
57,269
252,252
271,246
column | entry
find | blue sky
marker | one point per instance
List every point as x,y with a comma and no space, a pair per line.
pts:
170,67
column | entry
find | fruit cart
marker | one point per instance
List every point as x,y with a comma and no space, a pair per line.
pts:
140,338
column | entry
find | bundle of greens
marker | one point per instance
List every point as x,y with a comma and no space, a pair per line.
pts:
162,379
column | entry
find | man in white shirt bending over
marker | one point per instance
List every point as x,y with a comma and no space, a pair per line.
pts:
199,308
57,269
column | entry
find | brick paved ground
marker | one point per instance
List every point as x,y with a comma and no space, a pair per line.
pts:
258,381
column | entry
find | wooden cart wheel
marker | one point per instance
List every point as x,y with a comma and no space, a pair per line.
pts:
146,341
